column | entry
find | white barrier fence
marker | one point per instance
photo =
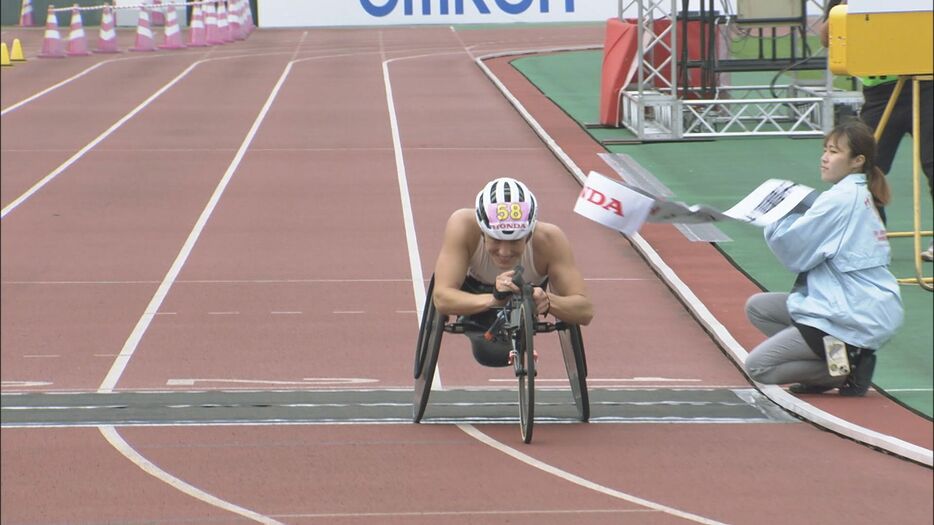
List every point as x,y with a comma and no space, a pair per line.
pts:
312,13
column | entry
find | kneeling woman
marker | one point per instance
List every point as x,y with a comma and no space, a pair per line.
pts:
844,290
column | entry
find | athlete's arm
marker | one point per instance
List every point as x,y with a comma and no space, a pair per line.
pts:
567,293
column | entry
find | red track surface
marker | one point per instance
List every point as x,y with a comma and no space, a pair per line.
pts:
302,271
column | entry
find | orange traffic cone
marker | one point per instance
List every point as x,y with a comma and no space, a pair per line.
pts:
144,40
157,17
196,34
77,41
52,42
212,31
107,42
173,34
250,26
233,20
223,24
25,14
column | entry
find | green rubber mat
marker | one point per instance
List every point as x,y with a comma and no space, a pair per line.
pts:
721,172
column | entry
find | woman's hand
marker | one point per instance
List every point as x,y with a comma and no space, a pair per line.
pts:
542,302
504,283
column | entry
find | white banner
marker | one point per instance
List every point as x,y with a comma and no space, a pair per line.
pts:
772,200
316,13
625,207
612,204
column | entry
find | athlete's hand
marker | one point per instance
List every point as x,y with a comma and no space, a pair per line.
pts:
504,282
542,303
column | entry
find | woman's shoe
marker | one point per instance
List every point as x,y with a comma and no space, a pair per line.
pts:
802,388
860,379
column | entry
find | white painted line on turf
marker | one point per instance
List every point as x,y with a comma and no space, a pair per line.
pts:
703,315
472,431
117,441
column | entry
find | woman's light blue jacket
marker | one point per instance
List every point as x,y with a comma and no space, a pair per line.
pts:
840,246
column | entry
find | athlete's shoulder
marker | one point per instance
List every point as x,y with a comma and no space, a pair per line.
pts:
548,232
549,239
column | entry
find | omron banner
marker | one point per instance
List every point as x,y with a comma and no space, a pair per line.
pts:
310,13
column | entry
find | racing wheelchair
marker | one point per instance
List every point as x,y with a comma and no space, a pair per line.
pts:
516,323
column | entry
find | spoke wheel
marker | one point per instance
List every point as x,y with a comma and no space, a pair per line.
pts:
526,359
572,349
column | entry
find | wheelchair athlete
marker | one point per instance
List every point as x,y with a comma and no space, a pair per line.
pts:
481,246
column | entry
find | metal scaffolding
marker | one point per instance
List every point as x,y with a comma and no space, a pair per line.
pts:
660,105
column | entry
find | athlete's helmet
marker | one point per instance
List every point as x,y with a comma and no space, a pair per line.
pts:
506,209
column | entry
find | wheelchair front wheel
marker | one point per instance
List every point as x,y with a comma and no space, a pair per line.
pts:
525,368
572,349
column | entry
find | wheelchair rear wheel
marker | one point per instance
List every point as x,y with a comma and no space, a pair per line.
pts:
572,349
424,328
426,355
525,368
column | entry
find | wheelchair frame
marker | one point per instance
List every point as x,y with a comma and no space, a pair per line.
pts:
520,327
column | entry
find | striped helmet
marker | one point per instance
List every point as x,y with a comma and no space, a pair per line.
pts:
506,209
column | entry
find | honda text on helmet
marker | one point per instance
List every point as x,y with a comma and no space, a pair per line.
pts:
506,209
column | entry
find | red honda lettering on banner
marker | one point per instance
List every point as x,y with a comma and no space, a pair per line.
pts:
593,196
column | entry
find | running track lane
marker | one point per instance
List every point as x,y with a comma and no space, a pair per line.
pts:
332,468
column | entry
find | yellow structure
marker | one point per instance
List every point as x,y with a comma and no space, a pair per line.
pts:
4,55
16,52
871,38
888,42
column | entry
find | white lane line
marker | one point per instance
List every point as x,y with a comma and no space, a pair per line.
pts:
463,513
54,87
71,79
74,158
114,438
132,342
471,431
230,281
415,263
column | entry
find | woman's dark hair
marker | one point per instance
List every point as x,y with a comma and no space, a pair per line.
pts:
862,142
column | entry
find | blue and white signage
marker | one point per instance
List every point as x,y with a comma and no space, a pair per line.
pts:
305,13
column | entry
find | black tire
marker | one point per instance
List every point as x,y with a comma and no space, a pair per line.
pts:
572,349
527,361
424,328
427,357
